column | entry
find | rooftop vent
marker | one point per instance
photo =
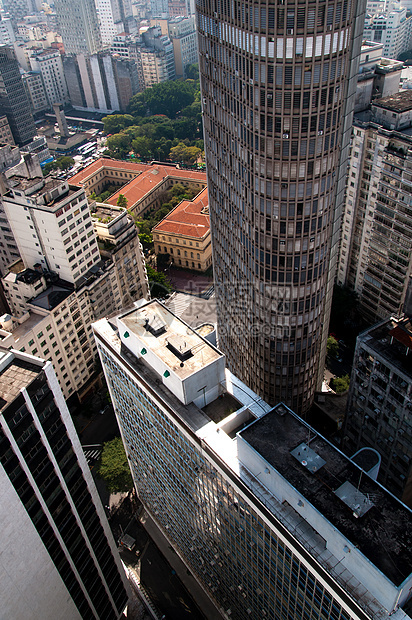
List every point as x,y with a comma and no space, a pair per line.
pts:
354,499
155,326
308,458
179,347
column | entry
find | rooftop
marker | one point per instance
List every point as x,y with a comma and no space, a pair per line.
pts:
147,177
152,177
400,102
190,218
52,296
16,375
178,346
392,339
372,520
195,311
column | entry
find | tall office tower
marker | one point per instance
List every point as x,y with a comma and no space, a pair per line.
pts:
13,99
58,557
79,26
277,86
270,518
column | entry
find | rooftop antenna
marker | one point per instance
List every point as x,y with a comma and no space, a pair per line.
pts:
360,478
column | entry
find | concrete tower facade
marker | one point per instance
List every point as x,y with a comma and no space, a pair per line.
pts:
79,26
277,96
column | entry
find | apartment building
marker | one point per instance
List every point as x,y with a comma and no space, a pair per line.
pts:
6,137
36,93
278,92
380,402
182,33
58,556
63,283
376,245
49,64
271,519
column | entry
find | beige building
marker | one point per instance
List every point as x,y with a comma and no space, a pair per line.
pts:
184,234
52,299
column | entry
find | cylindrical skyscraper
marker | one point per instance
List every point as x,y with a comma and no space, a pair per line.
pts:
277,83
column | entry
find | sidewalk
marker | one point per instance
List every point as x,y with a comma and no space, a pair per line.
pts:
204,603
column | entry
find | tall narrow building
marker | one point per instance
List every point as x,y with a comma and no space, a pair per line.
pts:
79,26
13,99
58,558
277,87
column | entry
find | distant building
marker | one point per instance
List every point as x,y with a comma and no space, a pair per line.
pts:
380,402
115,17
393,29
157,57
18,9
270,518
49,64
79,26
36,93
7,36
184,234
6,137
182,33
59,559
100,82
13,99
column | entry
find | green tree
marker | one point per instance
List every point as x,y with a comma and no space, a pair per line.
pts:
340,384
116,122
146,240
122,201
166,98
51,165
119,145
158,283
64,163
179,152
192,71
114,467
332,346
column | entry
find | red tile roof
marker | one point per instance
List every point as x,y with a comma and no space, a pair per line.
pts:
148,177
151,177
104,162
187,218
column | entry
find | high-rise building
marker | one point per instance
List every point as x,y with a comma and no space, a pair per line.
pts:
271,519
380,402
49,64
277,89
376,247
18,9
79,26
59,559
115,17
13,99
182,33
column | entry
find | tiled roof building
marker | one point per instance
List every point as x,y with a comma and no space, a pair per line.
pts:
184,234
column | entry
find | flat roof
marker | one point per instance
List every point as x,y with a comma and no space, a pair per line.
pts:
179,346
189,218
383,533
391,339
17,375
400,102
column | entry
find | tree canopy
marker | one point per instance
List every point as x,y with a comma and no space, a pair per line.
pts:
122,201
158,283
168,98
114,467
62,163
